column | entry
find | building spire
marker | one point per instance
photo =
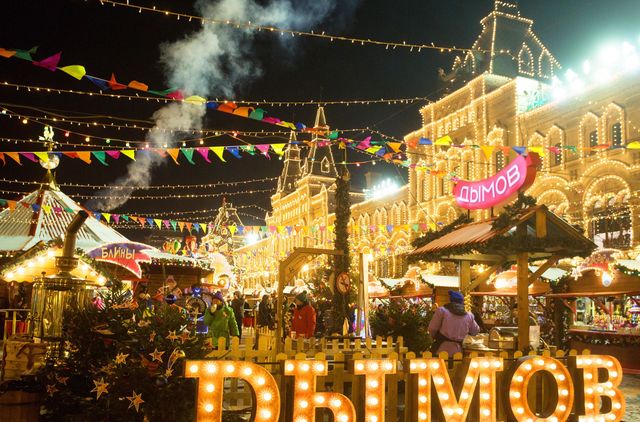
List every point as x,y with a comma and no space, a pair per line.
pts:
291,171
320,159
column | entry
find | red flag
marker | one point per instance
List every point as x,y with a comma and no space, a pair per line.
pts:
114,84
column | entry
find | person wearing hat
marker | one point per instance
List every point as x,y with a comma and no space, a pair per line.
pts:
451,324
220,319
237,304
304,317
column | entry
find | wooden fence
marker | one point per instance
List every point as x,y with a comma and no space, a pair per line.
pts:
401,387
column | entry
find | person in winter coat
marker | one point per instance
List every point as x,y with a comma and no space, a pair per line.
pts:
220,319
451,324
304,317
237,304
265,313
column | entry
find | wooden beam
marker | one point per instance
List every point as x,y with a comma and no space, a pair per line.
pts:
542,268
475,258
484,276
465,275
523,301
541,223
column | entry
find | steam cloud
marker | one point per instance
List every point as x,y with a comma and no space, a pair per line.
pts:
216,59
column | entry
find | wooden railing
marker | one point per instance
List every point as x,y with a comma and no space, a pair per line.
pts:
401,387
12,315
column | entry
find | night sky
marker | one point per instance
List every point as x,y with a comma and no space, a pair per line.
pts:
106,39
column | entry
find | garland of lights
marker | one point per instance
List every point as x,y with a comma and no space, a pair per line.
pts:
152,197
387,101
274,29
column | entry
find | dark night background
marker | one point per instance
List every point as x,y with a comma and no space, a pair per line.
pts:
106,39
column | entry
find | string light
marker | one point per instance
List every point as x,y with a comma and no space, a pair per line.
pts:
383,101
273,29
155,197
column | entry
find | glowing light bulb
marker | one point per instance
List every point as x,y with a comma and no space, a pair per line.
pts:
423,399
304,385
319,399
464,395
374,383
266,414
267,396
208,407
261,381
290,367
193,368
304,404
435,365
210,388
336,402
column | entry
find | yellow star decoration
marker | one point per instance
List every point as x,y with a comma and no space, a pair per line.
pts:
172,335
152,336
156,355
51,389
121,358
184,336
62,380
168,372
100,387
144,323
136,400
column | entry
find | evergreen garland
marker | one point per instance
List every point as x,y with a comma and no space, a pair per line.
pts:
343,214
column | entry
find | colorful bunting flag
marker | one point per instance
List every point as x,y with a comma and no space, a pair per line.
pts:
79,72
219,152
50,63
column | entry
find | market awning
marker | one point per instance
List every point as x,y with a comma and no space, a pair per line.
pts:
537,288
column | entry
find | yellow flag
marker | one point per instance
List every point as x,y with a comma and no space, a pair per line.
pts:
218,151
395,146
43,156
538,150
634,145
194,99
107,216
129,153
75,70
487,150
174,152
445,140
277,148
158,222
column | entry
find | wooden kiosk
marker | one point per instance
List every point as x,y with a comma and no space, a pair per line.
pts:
534,234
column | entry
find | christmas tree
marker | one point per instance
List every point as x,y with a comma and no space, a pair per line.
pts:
122,362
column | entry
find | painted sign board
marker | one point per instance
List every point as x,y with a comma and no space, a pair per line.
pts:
127,255
501,187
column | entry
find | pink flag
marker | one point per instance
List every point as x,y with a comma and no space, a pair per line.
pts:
264,149
113,154
204,151
50,63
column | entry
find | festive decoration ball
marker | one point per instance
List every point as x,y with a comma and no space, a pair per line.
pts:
170,299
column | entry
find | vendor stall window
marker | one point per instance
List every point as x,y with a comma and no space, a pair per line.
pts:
610,226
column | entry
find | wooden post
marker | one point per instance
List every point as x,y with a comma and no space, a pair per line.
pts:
523,300
465,276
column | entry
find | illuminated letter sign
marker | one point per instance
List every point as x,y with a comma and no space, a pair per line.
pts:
487,193
126,255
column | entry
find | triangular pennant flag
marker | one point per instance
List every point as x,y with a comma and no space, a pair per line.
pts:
113,154
173,224
70,154
116,218
235,151
204,228
272,120
425,141
395,146
142,221
278,148
125,217
26,54
102,85
100,156
166,224
538,150
85,156
43,156
11,205
250,149
196,226
173,153
139,86
181,225
79,72
505,150
150,221
232,230
257,114
176,95
333,135
30,156
373,150
365,143
7,53
188,152
633,145
219,152
188,225
444,141
487,150
47,209
227,107
243,111
158,222
412,143
212,105
194,99
2,158
164,93
114,84
50,63
129,153
107,216
520,150
204,151
264,149
97,215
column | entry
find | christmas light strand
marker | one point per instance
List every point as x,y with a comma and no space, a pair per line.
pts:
273,29
273,103
157,197
145,187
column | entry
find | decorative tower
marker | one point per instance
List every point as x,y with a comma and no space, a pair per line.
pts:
292,170
223,236
320,161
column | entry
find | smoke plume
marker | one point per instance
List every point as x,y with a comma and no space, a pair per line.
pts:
214,61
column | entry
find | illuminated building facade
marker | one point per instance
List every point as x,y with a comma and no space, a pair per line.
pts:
504,93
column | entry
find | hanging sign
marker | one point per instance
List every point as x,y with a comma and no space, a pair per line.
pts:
127,255
501,187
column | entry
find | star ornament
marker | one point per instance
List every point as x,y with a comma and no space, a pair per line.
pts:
135,401
172,335
152,336
51,389
185,336
100,388
62,380
121,358
156,355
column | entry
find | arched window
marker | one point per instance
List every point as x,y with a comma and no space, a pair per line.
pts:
500,161
525,61
589,133
545,65
557,159
608,213
616,134
593,141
